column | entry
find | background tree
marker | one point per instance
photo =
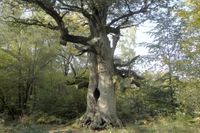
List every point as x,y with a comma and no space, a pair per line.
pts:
165,49
26,62
32,79
190,42
188,65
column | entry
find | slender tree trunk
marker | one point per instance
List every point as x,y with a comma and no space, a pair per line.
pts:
20,92
101,102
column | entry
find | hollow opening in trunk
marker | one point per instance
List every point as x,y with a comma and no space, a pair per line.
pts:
96,94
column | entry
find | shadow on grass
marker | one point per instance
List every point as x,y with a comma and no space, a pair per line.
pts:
158,126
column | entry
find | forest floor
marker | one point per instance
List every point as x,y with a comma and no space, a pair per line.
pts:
158,126
154,127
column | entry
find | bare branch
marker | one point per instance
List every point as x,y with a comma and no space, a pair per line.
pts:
31,22
75,8
75,39
128,5
125,16
143,9
131,25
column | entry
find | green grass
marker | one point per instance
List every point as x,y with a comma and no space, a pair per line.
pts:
162,125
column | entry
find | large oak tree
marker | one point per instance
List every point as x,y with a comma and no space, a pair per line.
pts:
101,17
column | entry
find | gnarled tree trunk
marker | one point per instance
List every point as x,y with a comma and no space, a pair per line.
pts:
101,102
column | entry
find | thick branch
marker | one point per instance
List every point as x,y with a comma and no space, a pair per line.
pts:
112,30
51,11
75,39
127,63
128,73
65,36
79,83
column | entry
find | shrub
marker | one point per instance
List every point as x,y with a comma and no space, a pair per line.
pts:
66,102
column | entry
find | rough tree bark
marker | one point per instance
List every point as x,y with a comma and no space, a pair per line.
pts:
101,102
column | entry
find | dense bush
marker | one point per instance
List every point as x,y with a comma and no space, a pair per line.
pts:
67,103
154,99
189,98
56,98
146,102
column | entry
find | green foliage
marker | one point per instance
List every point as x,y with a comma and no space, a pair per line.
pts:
32,78
64,102
23,58
154,98
131,106
190,12
32,128
188,96
189,63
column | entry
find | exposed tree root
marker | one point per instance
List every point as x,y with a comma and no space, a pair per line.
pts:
100,121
